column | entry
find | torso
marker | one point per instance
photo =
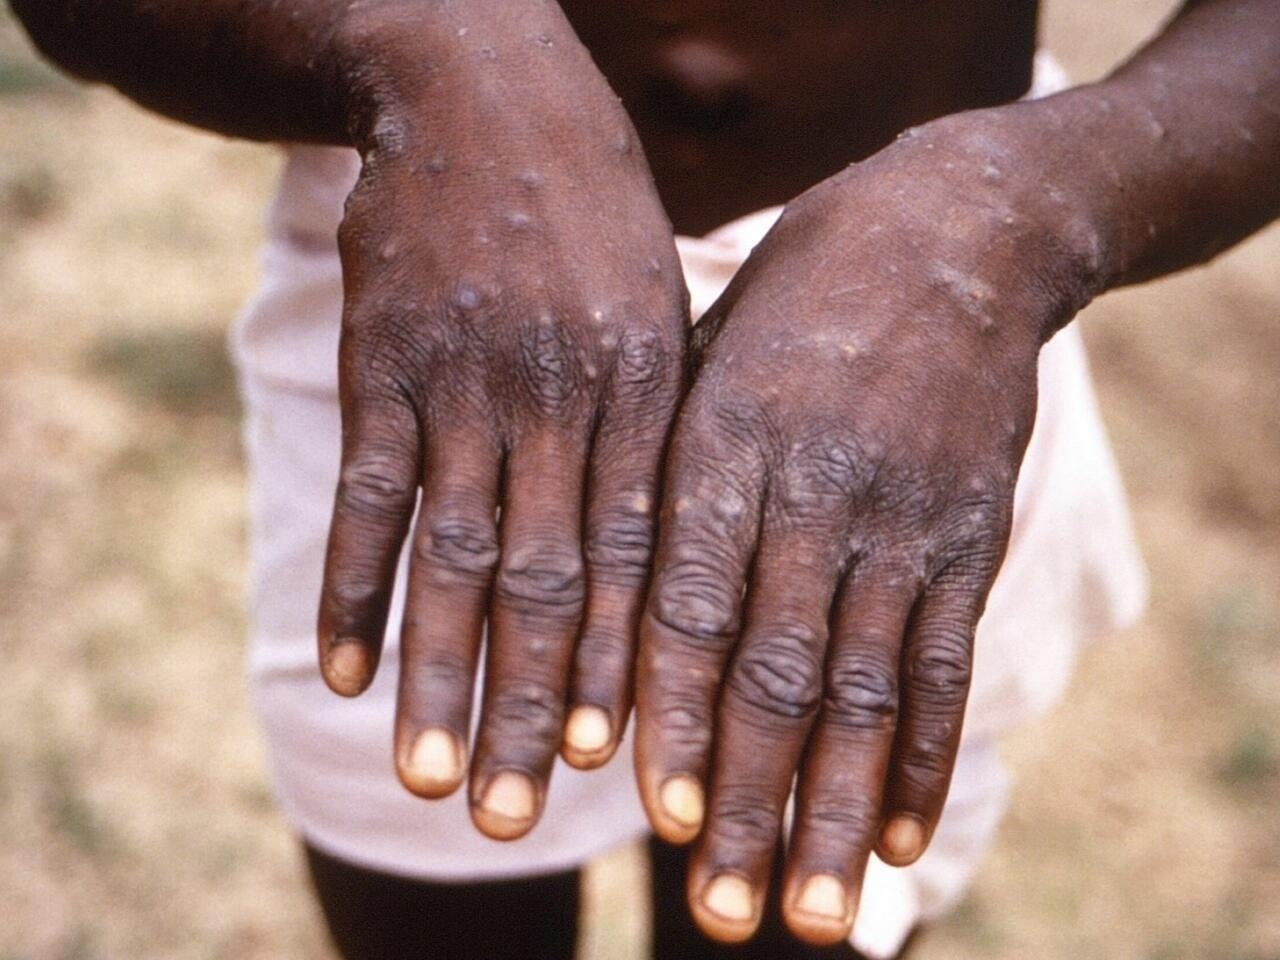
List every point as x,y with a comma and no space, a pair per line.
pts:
742,104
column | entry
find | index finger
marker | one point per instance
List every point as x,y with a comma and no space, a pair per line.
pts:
708,533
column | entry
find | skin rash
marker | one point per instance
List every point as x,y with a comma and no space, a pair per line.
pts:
787,527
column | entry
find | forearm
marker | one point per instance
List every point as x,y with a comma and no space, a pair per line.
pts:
1176,156
323,71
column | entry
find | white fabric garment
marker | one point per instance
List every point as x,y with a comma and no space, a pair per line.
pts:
1072,572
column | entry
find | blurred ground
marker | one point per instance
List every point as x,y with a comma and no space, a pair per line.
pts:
137,823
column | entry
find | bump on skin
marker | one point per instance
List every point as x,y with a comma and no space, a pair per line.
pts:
435,766
507,808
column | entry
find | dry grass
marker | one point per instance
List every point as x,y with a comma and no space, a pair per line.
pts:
132,797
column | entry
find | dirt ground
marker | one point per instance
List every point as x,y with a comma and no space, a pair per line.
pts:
136,816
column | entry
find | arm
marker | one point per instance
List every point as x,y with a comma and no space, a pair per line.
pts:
321,71
840,483
1171,159
513,332
264,70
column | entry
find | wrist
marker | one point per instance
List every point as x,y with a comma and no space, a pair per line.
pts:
399,64
1035,165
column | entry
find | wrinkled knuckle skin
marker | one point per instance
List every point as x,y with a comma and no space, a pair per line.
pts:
439,671
549,369
387,354
911,495
841,818
642,364
458,549
604,652
939,670
782,675
619,546
377,486
698,605
836,468
684,721
542,578
924,762
527,714
861,694
349,598
742,820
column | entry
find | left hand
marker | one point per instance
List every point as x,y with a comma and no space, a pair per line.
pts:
839,496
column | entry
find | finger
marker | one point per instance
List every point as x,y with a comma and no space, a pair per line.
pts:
535,613
842,779
708,533
620,527
455,551
934,677
767,708
374,503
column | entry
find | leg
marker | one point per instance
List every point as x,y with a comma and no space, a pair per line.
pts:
376,916
675,937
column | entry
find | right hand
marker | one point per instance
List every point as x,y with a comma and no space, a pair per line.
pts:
513,337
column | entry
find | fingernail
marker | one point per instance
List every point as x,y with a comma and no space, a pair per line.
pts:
730,897
681,799
588,730
508,805
823,895
435,766
902,839
347,667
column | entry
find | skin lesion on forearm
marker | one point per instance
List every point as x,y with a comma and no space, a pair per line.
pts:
1175,156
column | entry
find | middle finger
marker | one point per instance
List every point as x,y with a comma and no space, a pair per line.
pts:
768,706
536,609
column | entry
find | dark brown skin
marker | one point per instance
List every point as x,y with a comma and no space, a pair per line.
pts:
839,483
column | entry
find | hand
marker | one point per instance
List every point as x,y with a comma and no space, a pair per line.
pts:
512,339
838,501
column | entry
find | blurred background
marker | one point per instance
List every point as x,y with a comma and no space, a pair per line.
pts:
136,819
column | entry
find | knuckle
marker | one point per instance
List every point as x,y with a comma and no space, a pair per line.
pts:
603,656
387,350
641,362
459,548
743,818
619,544
781,675
834,466
924,759
685,722
348,596
534,708
548,368
861,693
939,668
378,486
444,671
698,604
848,816
542,578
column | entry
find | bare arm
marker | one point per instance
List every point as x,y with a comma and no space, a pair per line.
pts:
839,487
1176,155
264,70
513,334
